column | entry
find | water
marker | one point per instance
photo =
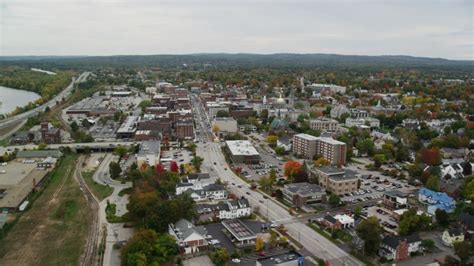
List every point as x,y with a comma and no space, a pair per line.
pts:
11,98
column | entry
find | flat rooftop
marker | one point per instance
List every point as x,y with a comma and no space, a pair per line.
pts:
17,181
306,136
238,229
304,189
241,147
129,125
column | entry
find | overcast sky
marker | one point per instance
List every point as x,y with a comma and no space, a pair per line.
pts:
103,27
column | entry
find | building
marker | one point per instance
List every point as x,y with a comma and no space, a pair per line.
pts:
185,130
194,182
242,151
394,200
466,221
22,138
285,143
345,221
331,222
128,127
234,209
149,154
452,236
50,135
208,192
214,107
398,248
225,124
301,194
323,124
436,200
240,233
339,110
358,113
304,145
359,122
332,150
190,239
291,258
336,180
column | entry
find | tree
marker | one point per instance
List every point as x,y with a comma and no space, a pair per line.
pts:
411,222
174,167
468,188
280,151
144,104
291,169
366,146
215,129
464,250
114,169
259,244
220,257
197,162
334,200
369,230
427,244
120,151
402,152
74,126
159,168
442,217
433,183
222,113
272,140
431,156
264,116
321,162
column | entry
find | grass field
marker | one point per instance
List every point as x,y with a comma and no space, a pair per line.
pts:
100,191
54,230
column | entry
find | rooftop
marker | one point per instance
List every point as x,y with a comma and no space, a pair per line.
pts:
241,147
304,189
238,229
129,125
149,147
306,136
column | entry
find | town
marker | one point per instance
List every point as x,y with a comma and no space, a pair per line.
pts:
284,171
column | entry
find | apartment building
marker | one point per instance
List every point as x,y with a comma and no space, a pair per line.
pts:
336,180
323,124
308,146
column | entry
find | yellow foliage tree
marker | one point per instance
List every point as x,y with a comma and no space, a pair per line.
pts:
321,162
259,244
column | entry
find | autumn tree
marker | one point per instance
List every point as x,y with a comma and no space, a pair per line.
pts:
174,167
159,168
292,168
431,156
272,140
321,162
259,244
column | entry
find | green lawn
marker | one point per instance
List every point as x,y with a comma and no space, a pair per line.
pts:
100,191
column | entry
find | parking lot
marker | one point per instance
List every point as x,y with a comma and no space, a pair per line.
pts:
180,156
384,216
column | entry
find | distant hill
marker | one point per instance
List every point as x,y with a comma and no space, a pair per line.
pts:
243,61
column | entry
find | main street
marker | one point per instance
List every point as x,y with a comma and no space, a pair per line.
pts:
215,164
63,94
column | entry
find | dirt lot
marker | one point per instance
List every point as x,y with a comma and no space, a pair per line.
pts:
54,230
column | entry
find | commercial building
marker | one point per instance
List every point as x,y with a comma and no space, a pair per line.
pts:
242,151
301,194
185,130
359,113
214,107
394,200
50,135
149,153
336,180
225,124
190,238
358,122
307,146
241,234
128,127
323,124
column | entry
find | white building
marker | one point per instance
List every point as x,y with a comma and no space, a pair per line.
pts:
214,107
339,110
345,220
194,182
323,124
189,237
242,151
210,192
149,153
358,122
234,209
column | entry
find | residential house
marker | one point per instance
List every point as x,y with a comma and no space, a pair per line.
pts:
398,248
208,192
284,142
194,182
234,209
436,200
190,238
452,236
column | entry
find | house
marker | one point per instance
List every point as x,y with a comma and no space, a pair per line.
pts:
331,222
190,238
436,200
399,248
208,192
285,142
452,236
234,209
194,182
454,170
467,222
301,194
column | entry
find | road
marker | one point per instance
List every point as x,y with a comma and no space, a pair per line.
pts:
92,145
63,94
215,164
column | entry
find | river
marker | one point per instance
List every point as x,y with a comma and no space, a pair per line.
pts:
11,98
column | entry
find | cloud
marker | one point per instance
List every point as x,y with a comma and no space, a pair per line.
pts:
105,27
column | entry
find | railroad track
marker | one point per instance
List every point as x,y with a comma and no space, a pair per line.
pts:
90,255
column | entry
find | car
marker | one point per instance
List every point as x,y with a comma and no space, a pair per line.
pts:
265,197
233,184
248,193
236,260
239,186
225,169
261,201
215,163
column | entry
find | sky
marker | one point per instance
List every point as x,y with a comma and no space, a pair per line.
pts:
428,28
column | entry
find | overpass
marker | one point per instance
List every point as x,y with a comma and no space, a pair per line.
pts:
93,146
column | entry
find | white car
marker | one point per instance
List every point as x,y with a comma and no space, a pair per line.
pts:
235,260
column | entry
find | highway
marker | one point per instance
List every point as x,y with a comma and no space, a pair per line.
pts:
215,164
63,94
